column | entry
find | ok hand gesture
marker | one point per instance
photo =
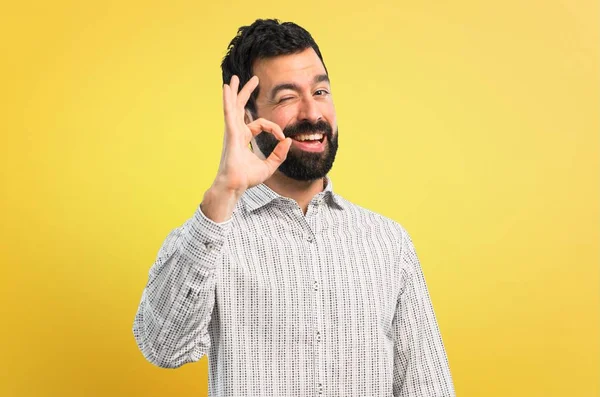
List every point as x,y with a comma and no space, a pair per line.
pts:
240,168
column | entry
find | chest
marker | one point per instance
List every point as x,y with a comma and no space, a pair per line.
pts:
287,271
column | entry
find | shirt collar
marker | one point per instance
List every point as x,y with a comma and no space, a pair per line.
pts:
261,195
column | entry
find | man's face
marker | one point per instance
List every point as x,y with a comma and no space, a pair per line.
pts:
294,92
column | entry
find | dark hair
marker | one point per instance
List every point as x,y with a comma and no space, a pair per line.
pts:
265,38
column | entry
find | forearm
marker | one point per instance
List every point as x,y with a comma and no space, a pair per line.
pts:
219,202
171,324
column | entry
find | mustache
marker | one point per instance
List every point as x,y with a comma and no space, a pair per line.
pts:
306,127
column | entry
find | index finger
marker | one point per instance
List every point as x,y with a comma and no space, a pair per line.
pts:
244,94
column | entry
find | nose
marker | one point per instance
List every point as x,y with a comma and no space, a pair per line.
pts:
309,110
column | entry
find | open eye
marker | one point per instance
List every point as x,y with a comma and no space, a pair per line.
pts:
321,92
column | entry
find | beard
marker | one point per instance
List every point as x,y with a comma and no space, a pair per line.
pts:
299,164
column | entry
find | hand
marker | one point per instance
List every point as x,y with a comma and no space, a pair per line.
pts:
240,168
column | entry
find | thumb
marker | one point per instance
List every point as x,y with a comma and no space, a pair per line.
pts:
278,155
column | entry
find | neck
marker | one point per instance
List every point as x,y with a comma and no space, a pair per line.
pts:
301,191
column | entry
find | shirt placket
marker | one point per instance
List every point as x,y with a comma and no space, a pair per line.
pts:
313,242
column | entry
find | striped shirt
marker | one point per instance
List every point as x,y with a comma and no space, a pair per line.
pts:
328,303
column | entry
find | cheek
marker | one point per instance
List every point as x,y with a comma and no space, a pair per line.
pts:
328,112
331,117
283,117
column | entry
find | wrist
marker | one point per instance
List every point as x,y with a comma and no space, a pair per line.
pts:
223,191
219,202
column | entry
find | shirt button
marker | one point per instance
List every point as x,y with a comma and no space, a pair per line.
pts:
210,247
309,239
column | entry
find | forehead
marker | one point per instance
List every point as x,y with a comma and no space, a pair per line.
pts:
298,68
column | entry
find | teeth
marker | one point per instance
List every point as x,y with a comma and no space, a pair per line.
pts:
309,137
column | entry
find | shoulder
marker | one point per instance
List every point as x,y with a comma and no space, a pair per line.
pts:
365,216
388,232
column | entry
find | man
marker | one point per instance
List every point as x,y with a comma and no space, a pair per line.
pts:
289,288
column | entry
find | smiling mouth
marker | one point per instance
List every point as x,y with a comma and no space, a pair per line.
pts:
314,143
309,138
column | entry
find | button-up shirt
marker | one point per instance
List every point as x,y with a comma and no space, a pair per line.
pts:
328,303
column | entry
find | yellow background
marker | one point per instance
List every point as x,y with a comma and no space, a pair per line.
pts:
473,124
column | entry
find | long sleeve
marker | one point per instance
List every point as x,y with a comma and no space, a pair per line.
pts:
420,364
170,326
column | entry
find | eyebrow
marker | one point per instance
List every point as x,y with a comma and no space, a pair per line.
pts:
295,87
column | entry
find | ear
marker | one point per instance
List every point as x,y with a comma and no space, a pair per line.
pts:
248,116
255,149
252,144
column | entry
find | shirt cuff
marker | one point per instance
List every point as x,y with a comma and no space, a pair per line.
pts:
203,239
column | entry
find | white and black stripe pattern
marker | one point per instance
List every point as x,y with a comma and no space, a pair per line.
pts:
331,303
